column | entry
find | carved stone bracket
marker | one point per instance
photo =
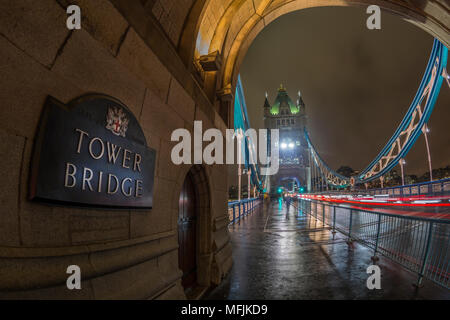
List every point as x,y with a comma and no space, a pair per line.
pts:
211,62
226,98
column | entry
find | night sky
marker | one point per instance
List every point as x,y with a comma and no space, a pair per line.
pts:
356,83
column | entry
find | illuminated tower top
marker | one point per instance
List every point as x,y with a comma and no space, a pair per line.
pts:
284,113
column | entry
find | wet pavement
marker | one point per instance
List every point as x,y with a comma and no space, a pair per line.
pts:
279,255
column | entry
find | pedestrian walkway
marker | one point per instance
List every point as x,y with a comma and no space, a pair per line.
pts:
289,255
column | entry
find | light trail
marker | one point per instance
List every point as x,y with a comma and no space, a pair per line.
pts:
394,202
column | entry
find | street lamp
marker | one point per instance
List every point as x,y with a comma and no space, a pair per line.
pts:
425,131
249,172
402,163
239,135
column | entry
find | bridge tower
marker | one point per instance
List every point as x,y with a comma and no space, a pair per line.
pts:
290,118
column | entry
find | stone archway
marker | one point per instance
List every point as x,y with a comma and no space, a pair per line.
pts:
218,33
435,22
207,40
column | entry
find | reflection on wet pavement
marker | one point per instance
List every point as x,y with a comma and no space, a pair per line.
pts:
280,255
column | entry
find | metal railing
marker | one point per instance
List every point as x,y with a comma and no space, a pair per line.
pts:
421,245
240,209
438,187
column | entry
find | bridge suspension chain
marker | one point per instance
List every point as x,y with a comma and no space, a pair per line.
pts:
411,127
415,119
331,177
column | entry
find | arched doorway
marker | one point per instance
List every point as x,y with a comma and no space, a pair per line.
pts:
194,230
187,233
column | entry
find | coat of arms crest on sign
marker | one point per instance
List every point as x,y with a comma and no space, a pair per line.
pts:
117,121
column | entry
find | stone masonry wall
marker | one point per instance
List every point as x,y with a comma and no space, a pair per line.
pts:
122,254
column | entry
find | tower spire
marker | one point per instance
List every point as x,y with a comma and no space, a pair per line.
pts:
266,101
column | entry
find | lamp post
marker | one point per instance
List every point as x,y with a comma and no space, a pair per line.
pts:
446,76
402,163
249,172
239,182
239,140
425,131
315,176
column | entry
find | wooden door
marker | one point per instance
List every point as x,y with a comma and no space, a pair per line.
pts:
187,252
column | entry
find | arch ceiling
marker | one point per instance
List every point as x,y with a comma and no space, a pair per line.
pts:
230,26
221,31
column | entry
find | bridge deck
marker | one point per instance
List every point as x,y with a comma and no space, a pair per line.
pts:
289,256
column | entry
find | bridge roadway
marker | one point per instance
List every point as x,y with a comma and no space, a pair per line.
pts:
280,255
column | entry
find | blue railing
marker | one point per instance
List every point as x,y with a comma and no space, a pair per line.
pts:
419,244
438,187
240,209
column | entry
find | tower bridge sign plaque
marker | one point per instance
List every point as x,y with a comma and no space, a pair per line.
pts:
91,152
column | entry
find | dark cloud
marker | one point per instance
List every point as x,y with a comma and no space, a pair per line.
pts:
357,83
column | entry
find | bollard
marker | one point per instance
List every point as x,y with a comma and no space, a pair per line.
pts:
374,257
323,214
334,220
239,211
425,258
350,227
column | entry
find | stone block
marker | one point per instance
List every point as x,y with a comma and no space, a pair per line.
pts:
24,87
40,271
158,219
181,101
41,225
168,266
158,118
175,292
93,227
166,168
221,238
36,27
101,19
204,269
206,121
220,124
51,293
138,282
11,149
107,261
219,178
135,55
88,65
